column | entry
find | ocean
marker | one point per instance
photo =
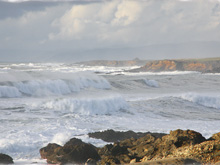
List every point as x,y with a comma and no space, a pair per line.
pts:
43,103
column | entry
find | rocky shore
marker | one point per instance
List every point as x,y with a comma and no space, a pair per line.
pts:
211,65
206,65
177,147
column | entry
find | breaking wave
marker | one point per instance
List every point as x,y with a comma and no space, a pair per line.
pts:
88,106
204,100
151,83
47,86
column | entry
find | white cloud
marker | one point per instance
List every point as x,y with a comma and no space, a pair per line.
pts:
95,20
112,23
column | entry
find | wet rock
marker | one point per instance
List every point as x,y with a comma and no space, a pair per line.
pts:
74,151
5,159
115,136
49,150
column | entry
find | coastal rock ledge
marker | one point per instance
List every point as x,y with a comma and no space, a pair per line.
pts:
178,147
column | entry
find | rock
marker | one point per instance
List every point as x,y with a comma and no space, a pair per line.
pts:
215,137
115,136
173,161
178,147
90,162
5,159
49,150
74,151
184,138
207,152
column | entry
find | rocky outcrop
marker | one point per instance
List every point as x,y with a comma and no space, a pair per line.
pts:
201,65
115,136
178,147
74,151
5,159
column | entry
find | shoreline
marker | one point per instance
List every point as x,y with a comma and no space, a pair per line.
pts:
177,147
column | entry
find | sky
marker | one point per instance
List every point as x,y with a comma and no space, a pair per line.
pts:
69,31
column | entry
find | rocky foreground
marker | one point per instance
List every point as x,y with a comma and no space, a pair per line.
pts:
178,147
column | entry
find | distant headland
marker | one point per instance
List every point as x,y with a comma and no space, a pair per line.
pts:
205,65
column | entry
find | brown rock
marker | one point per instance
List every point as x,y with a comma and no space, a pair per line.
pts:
172,161
74,151
50,149
215,137
184,138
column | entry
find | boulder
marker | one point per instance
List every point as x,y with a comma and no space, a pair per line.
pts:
74,151
183,138
49,150
5,159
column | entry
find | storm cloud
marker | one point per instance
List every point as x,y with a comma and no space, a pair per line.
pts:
111,29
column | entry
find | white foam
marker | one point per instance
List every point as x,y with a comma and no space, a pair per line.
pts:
88,106
51,84
207,100
151,83
160,73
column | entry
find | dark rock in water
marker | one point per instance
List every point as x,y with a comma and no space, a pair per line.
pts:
49,150
5,159
115,136
74,151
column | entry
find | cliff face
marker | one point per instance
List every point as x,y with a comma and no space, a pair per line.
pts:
209,65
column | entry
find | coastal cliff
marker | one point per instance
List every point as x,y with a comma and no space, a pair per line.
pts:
211,65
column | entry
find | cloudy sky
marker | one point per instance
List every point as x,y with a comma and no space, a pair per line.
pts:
108,29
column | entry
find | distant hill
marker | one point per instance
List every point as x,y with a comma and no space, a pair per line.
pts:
115,63
207,65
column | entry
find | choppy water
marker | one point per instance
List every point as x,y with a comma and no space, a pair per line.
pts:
43,103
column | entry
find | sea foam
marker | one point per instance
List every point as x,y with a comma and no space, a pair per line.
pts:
151,83
202,99
47,85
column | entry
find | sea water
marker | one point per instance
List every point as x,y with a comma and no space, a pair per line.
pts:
43,103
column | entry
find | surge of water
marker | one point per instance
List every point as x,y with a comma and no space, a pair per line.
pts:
44,103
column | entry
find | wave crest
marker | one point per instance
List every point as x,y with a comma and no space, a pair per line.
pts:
204,100
88,106
44,86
